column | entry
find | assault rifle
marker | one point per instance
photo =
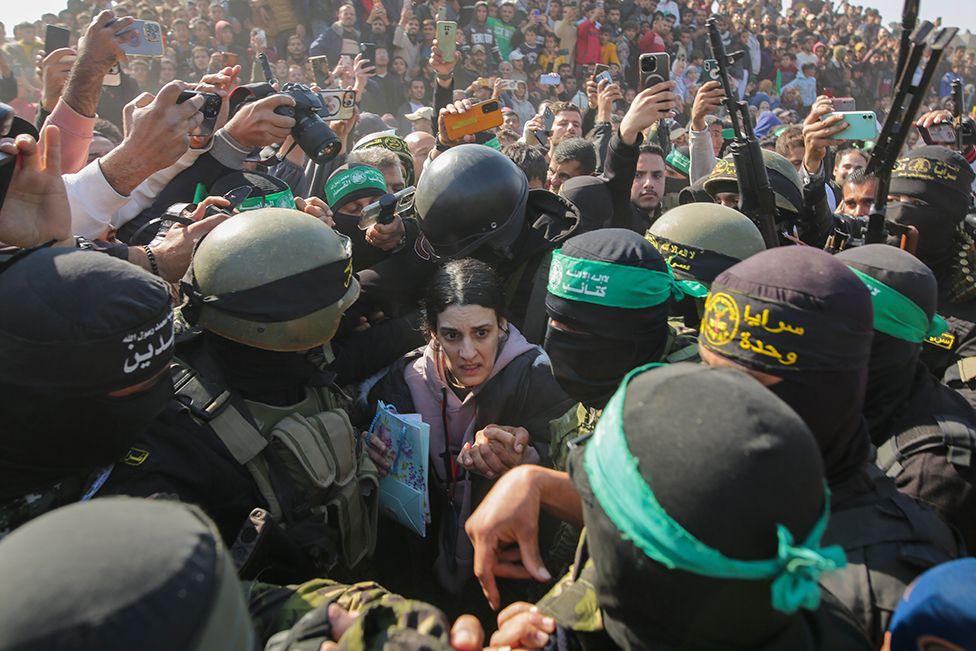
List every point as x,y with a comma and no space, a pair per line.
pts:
756,199
908,98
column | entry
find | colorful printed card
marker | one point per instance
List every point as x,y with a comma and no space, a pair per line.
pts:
403,492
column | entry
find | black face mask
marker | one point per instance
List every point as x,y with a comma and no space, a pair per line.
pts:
935,231
272,377
48,437
589,368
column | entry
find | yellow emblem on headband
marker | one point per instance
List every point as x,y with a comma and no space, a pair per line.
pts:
721,321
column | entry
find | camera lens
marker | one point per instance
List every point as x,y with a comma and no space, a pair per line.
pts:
316,139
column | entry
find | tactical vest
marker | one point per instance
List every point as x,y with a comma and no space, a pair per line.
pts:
954,435
889,539
306,461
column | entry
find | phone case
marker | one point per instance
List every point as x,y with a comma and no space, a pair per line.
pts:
338,104
447,39
56,38
844,104
654,69
210,110
480,117
145,39
863,125
938,134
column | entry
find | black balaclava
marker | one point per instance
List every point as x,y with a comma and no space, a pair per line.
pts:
75,326
590,366
801,315
943,180
268,376
121,574
592,197
894,362
728,461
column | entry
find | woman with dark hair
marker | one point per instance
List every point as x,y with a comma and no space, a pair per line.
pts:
488,396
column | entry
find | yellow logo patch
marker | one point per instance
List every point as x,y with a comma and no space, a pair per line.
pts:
721,322
135,457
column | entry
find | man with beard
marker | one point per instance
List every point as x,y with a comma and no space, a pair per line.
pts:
109,325
925,432
266,293
798,320
649,180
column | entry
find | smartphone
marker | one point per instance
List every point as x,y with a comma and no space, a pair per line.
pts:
654,69
600,68
144,39
604,76
480,117
113,77
863,125
938,134
369,52
447,39
843,104
210,111
509,84
710,66
551,79
229,58
548,117
337,104
320,69
56,38
441,14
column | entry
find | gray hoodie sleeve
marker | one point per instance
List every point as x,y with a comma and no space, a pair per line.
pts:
702,156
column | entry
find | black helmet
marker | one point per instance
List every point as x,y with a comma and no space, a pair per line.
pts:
468,197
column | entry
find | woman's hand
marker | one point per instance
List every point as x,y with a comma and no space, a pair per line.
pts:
377,449
522,626
497,449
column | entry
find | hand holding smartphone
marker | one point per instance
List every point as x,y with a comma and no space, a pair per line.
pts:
863,125
480,117
447,39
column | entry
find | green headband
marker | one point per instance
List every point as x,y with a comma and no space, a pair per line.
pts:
282,199
678,161
613,285
347,181
899,316
634,510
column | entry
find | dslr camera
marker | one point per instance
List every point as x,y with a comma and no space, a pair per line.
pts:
313,135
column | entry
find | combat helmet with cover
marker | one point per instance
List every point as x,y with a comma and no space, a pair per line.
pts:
783,179
701,240
273,278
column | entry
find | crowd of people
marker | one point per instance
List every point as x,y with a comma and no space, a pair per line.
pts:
652,417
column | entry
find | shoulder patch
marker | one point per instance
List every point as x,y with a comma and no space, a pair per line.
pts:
135,457
945,340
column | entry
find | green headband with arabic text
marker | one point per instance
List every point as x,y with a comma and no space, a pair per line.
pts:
614,285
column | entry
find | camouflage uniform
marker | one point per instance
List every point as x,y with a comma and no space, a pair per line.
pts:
277,609
578,423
